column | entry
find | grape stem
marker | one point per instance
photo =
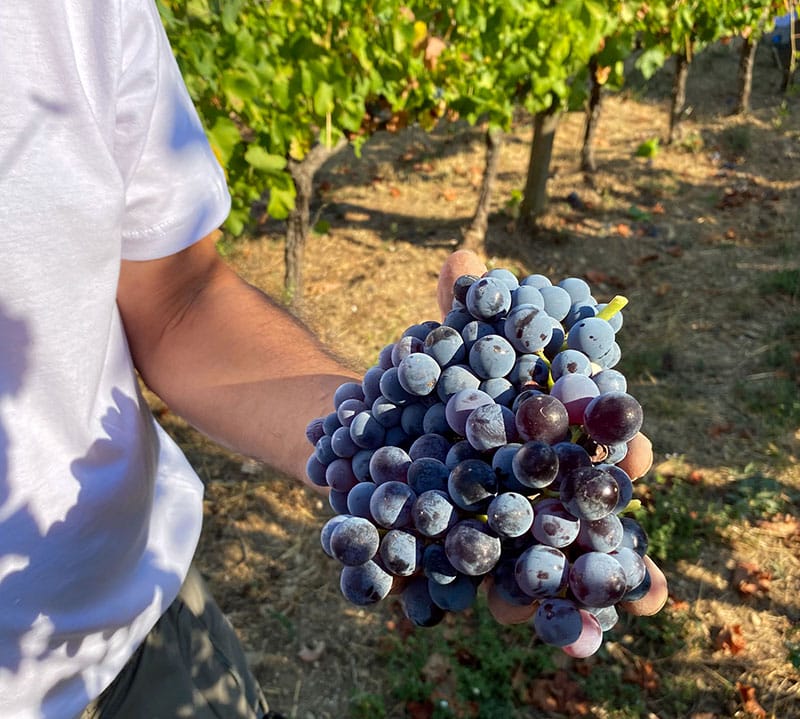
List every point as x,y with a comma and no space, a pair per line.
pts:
613,307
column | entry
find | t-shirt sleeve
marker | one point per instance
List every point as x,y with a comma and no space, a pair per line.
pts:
175,189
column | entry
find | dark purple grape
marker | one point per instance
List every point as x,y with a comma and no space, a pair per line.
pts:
528,328
472,548
347,390
434,513
461,404
436,566
446,346
589,493
597,579
365,584
490,426
461,285
556,301
348,409
358,500
542,571
454,379
427,473
400,552
600,535
417,605
455,596
633,566
613,417
354,541
472,485
339,475
459,452
492,356
510,514
405,346
391,505
558,622
542,417
342,443
634,536
535,465
553,525
593,336
389,464
366,431
327,530
570,361
488,299
430,445
315,430
418,374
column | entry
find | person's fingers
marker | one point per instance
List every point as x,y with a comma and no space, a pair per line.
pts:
460,262
655,599
504,612
639,458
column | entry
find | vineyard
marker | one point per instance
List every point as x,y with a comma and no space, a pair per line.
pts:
689,210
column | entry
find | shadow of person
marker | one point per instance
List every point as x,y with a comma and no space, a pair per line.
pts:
53,601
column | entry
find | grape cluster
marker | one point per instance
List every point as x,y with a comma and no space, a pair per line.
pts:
497,446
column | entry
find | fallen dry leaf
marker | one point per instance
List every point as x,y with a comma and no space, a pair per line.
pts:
644,259
641,672
749,702
558,694
623,230
596,277
749,579
420,710
730,639
449,195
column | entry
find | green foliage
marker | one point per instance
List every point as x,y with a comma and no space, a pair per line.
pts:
649,148
272,79
756,496
678,518
781,282
367,706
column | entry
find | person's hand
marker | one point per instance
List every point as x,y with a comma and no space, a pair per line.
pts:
460,262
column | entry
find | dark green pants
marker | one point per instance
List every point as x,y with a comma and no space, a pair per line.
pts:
191,665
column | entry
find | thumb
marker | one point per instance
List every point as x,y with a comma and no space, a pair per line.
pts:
460,262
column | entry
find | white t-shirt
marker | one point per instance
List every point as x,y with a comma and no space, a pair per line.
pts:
102,158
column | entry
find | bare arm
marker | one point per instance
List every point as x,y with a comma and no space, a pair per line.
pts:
225,357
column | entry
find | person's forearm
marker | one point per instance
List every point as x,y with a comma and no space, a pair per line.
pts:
240,369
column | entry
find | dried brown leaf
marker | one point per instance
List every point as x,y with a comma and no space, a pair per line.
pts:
750,580
730,639
749,702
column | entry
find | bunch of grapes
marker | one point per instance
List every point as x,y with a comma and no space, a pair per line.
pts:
499,447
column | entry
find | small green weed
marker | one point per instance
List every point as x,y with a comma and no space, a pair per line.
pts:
367,706
755,496
478,656
678,517
736,140
781,282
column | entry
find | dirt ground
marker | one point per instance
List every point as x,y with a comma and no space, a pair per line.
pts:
684,235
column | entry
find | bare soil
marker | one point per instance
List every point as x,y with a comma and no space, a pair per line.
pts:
685,235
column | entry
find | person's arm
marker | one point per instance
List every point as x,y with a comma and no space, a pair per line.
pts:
225,357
